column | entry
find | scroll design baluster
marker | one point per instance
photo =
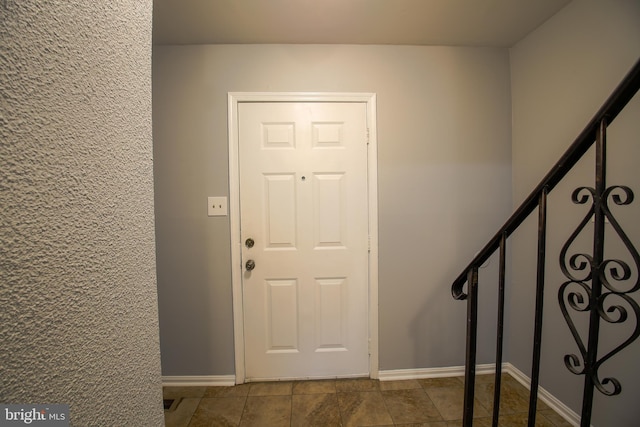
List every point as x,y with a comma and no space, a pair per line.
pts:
614,304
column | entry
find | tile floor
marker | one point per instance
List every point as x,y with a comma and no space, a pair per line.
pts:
434,402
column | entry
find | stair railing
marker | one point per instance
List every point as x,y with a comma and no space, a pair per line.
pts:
592,267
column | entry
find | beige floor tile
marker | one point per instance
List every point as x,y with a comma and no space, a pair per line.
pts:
276,388
410,406
363,409
181,415
477,422
433,402
399,385
512,400
482,422
262,411
218,411
235,391
485,378
555,418
357,384
516,387
315,410
432,424
440,382
522,420
174,392
450,403
517,420
510,420
314,387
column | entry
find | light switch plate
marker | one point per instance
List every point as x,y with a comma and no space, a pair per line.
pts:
217,206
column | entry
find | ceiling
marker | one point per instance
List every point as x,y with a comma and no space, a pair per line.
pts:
497,23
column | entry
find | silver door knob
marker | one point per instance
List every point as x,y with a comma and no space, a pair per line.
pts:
250,265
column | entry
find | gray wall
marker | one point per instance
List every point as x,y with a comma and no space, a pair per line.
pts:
444,127
561,74
78,299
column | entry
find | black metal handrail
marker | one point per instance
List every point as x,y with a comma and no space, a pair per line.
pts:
608,112
594,132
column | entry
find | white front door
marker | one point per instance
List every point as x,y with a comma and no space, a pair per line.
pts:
303,204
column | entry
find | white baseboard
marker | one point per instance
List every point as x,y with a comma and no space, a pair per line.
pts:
198,380
410,374
458,371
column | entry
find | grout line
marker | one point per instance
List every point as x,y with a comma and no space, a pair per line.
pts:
244,408
384,402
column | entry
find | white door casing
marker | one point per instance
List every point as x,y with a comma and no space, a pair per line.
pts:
303,186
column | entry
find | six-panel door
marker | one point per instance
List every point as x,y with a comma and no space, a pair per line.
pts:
303,201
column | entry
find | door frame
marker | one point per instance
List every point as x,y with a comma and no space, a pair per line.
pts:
234,98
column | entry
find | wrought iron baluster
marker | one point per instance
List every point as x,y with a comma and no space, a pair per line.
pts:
596,284
472,333
500,331
537,334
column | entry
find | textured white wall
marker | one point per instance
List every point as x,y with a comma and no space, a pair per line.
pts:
78,304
